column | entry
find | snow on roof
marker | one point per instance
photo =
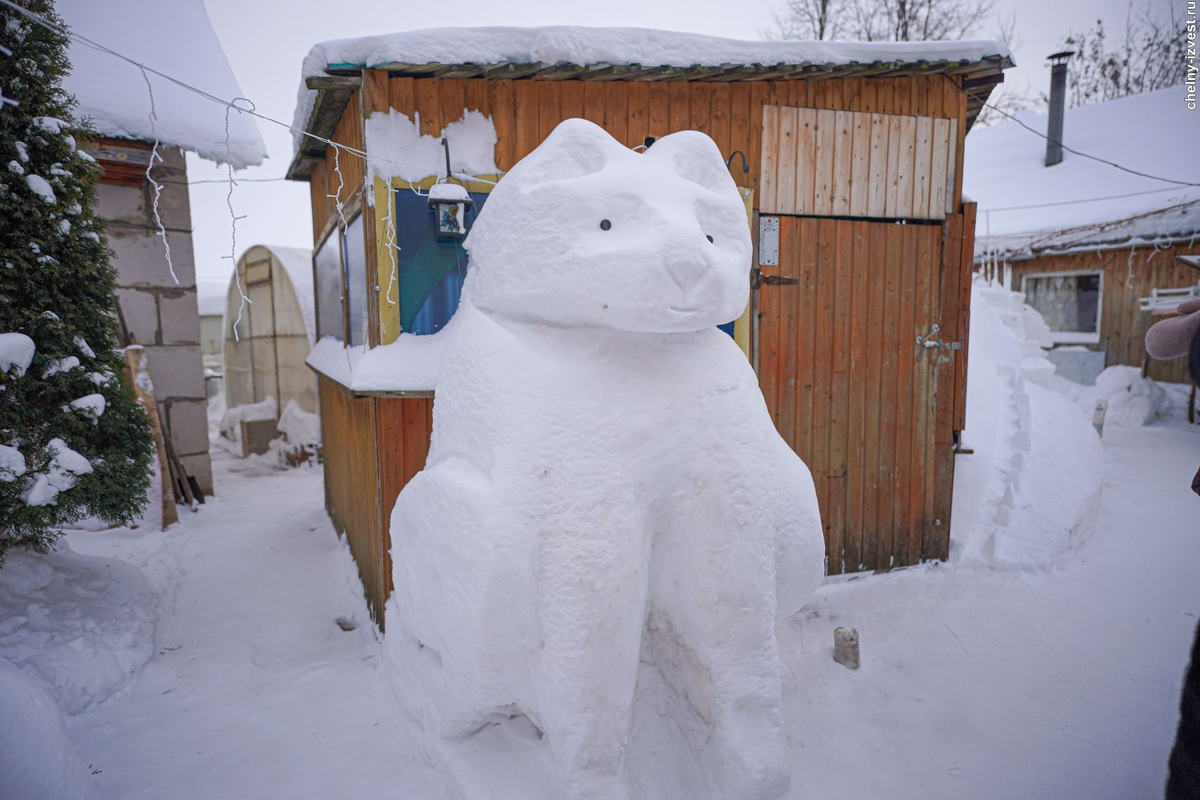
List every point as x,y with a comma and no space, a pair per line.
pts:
175,38
297,262
1081,204
583,46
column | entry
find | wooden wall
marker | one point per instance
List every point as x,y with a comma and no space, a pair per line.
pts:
820,162
1127,278
524,113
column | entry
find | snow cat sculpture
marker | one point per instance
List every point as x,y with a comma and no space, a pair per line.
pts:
605,491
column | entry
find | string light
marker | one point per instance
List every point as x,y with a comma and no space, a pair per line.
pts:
154,156
237,278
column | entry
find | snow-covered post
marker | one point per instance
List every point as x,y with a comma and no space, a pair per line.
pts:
139,376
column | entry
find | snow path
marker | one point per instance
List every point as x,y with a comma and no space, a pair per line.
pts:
254,690
989,684
1015,684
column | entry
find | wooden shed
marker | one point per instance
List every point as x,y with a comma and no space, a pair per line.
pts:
850,156
1094,246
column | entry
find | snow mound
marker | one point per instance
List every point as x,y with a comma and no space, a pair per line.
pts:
397,148
1133,400
82,626
37,761
300,439
605,492
1029,492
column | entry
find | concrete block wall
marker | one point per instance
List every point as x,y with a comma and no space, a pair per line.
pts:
160,314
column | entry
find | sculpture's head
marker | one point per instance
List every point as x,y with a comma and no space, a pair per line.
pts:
586,232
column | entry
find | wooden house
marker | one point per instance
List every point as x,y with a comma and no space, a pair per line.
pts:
1094,246
850,158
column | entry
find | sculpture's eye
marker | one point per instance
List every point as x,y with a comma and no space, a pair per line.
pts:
605,224
710,241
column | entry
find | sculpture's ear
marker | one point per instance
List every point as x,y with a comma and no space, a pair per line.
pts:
694,156
574,149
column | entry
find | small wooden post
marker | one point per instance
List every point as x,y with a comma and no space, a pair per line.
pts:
139,377
845,647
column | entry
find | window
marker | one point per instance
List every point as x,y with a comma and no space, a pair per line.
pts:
1069,302
355,258
328,268
430,273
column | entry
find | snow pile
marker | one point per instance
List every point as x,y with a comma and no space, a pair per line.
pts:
91,406
66,466
1030,490
565,44
300,436
230,425
397,149
605,493
1132,400
177,39
1023,204
16,351
37,762
409,364
83,626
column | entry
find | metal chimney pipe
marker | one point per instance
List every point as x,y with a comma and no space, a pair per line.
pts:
1058,106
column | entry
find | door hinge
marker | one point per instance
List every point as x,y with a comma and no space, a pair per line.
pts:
758,278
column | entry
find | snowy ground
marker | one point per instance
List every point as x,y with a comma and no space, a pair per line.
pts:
975,682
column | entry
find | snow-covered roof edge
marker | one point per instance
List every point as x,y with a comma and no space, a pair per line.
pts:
178,39
584,47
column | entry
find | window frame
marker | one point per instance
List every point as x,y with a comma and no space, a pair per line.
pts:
336,226
1073,337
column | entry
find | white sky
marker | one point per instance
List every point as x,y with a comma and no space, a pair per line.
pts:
266,41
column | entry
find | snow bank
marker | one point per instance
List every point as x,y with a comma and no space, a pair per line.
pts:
82,626
1132,400
175,38
1029,492
37,761
566,44
300,439
1004,170
605,491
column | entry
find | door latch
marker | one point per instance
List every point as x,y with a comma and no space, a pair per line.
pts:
758,278
927,341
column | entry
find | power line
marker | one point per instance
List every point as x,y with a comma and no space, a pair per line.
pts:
1068,149
1081,200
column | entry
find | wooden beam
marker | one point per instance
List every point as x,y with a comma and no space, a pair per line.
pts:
318,82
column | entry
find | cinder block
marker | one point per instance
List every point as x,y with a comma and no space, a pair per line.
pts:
199,466
140,310
177,372
179,316
141,258
124,204
188,421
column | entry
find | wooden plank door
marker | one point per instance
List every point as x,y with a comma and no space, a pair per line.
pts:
852,386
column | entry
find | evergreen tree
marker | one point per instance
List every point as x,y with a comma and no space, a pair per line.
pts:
73,440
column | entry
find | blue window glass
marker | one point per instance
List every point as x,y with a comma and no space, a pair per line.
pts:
430,273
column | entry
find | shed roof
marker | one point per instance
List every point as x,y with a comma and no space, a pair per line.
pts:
565,52
1027,208
176,38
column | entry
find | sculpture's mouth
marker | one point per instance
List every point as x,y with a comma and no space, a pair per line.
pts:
686,310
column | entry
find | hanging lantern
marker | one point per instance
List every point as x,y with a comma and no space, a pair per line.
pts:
450,202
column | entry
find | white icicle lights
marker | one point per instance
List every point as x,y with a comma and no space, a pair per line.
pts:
605,491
